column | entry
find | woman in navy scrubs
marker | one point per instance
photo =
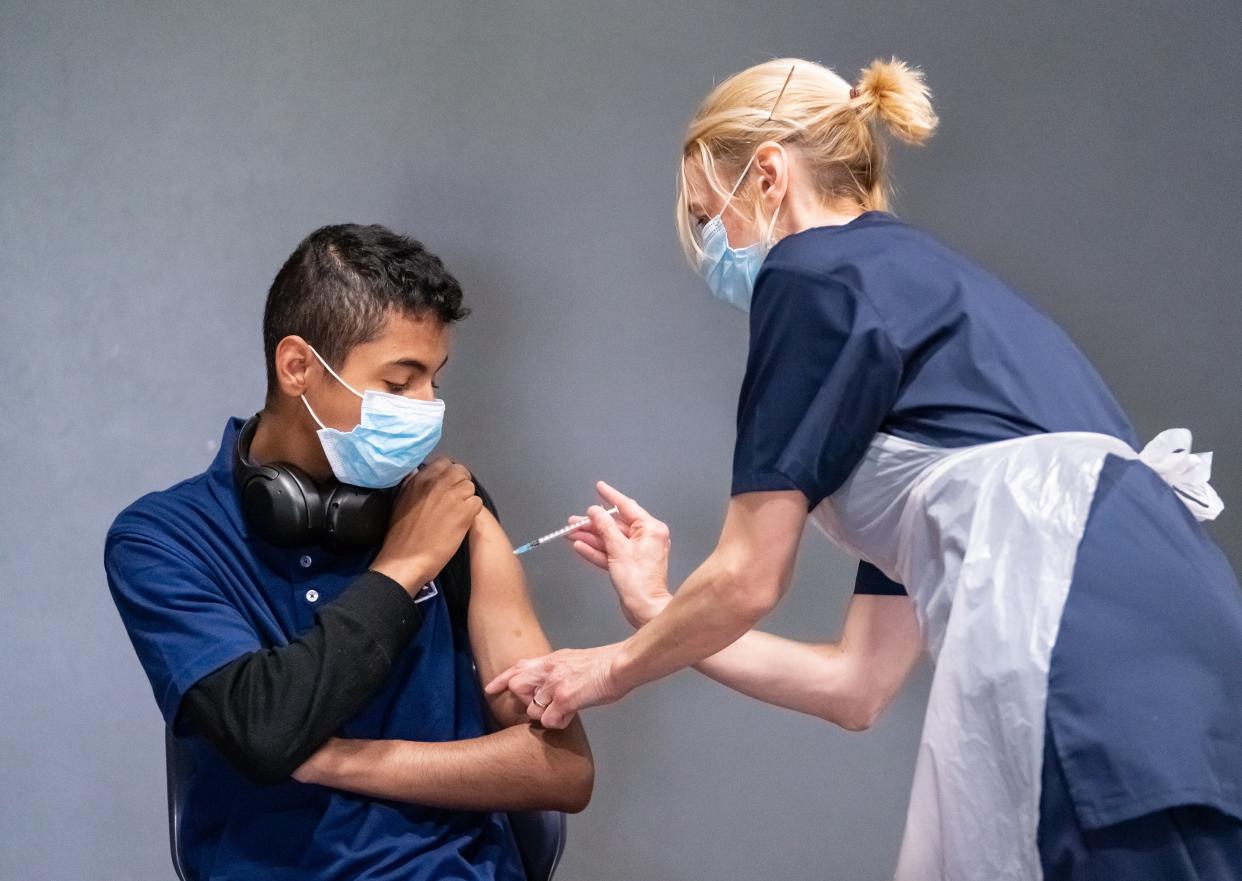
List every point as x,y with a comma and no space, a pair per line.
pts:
1085,716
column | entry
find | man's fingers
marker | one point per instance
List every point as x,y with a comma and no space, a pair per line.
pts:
435,466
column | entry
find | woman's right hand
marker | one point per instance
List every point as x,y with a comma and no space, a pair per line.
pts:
632,548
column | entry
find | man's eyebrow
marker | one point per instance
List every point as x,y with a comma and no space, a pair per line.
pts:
415,363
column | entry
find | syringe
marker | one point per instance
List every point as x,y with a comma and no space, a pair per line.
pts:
564,530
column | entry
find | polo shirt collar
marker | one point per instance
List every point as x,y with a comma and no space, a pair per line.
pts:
297,562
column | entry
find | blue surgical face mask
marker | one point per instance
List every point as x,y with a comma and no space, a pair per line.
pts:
730,273
395,436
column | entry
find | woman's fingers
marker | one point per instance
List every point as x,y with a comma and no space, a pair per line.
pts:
629,509
521,677
605,527
555,717
501,682
587,538
585,522
591,555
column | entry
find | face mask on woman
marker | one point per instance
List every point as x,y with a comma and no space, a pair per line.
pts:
730,272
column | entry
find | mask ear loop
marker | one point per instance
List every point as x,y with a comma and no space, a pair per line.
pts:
338,379
751,160
767,239
333,372
312,412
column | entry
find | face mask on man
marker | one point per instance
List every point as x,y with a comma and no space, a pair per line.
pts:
395,436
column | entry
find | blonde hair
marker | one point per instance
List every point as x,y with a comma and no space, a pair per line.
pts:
832,126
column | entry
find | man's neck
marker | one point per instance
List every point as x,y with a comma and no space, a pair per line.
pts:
283,437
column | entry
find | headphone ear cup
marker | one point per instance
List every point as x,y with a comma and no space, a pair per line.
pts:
355,517
282,503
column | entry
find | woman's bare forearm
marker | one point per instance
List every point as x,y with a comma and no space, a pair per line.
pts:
847,683
695,624
726,595
804,677
522,767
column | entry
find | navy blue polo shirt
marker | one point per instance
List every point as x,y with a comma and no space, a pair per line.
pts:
196,590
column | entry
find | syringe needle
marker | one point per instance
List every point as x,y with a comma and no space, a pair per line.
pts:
564,530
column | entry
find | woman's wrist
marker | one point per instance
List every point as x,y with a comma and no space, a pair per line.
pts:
651,606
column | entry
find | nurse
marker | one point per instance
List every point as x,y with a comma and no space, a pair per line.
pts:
1085,716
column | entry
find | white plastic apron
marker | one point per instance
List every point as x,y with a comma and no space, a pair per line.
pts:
984,538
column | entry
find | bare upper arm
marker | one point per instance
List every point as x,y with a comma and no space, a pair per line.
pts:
759,541
501,619
882,641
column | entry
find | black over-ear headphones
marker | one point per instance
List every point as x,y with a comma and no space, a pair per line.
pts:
287,508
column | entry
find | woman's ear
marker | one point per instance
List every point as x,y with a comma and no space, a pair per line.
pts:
772,162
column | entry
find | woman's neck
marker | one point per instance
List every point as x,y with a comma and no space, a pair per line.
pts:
804,214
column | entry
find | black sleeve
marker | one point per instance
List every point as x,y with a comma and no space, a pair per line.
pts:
871,580
269,710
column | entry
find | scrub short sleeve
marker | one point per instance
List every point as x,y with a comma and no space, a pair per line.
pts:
181,624
821,377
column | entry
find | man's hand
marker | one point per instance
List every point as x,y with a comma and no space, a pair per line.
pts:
632,549
431,514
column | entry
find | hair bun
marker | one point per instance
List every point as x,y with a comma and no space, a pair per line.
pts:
895,93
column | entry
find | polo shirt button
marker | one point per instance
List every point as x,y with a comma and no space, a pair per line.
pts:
305,562
312,596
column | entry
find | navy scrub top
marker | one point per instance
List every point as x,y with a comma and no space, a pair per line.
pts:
195,591
875,326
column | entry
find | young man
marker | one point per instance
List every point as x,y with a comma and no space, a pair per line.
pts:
318,658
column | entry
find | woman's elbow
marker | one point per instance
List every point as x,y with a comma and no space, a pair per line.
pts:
747,595
855,709
858,715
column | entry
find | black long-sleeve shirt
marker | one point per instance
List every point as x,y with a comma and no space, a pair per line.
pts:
268,711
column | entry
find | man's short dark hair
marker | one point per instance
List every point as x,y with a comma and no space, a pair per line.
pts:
337,287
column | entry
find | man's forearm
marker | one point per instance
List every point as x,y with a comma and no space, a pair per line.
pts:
269,710
709,612
518,768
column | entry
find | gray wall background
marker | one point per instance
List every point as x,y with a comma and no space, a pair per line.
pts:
159,161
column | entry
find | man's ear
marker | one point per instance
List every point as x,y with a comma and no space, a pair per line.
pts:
293,365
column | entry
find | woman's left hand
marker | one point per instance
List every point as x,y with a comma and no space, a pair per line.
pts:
557,686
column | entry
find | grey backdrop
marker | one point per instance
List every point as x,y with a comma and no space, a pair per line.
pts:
159,161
